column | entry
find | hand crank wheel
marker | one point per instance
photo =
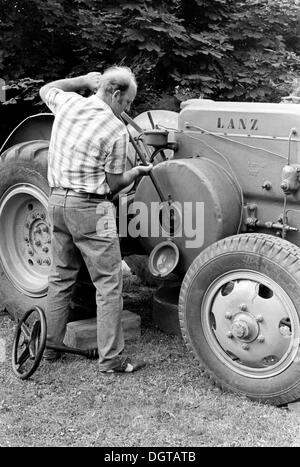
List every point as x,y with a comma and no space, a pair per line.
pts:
29,343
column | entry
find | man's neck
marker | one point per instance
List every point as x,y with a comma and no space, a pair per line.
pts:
103,97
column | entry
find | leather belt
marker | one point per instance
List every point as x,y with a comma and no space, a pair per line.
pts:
79,194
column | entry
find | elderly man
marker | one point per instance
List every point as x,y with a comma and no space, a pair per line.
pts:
87,158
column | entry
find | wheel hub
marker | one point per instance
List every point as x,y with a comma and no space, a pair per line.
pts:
245,327
37,237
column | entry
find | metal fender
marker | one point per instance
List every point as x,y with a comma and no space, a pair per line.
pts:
34,127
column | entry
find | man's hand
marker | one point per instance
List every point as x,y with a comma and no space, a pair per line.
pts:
90,81
145,169
93,80
118,181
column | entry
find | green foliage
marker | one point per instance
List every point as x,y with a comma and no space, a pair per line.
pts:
38,38
255,44
220,49
24,90
265,44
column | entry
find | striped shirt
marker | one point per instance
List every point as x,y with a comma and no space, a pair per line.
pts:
87,140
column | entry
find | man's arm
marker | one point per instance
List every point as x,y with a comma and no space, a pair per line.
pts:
118,181
90,81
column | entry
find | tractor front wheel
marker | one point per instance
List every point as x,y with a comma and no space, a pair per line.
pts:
239,310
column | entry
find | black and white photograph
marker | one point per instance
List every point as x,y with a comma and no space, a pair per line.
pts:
150,226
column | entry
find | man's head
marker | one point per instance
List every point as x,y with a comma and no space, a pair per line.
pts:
118,88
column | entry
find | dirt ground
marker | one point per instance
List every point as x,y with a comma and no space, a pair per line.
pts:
170,403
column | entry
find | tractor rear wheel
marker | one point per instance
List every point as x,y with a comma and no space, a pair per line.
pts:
239,312
24,227
25,246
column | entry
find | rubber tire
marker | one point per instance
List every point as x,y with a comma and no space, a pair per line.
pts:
23,163
27,163
276,258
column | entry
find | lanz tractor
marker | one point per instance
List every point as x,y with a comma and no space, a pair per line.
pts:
220,213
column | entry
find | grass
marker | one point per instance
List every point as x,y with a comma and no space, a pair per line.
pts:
169,403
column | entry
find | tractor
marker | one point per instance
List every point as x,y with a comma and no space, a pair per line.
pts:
219,213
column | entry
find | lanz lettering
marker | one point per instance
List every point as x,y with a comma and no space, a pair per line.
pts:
249,124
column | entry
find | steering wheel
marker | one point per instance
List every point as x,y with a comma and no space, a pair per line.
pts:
29,343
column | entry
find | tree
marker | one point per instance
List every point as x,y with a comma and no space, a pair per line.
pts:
255,47
220,49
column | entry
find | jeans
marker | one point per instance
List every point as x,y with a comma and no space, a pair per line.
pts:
85,227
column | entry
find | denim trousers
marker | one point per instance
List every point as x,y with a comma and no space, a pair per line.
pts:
84,227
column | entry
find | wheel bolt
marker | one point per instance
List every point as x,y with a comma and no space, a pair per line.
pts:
39,230
38,243
26,239
47,261
30,252
229,334
245,347
243,307
285,331
261,338
45,229
228,315
45,249
39,261
259,318
43,216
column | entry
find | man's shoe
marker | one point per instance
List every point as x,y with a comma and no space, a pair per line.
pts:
51,355
125,366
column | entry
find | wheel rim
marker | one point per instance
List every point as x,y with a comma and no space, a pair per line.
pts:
25,238
250,324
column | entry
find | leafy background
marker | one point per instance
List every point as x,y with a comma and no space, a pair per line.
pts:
179,49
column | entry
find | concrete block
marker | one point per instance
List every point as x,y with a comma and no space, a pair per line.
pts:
83,334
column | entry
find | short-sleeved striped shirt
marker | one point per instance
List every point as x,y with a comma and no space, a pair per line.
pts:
87,140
